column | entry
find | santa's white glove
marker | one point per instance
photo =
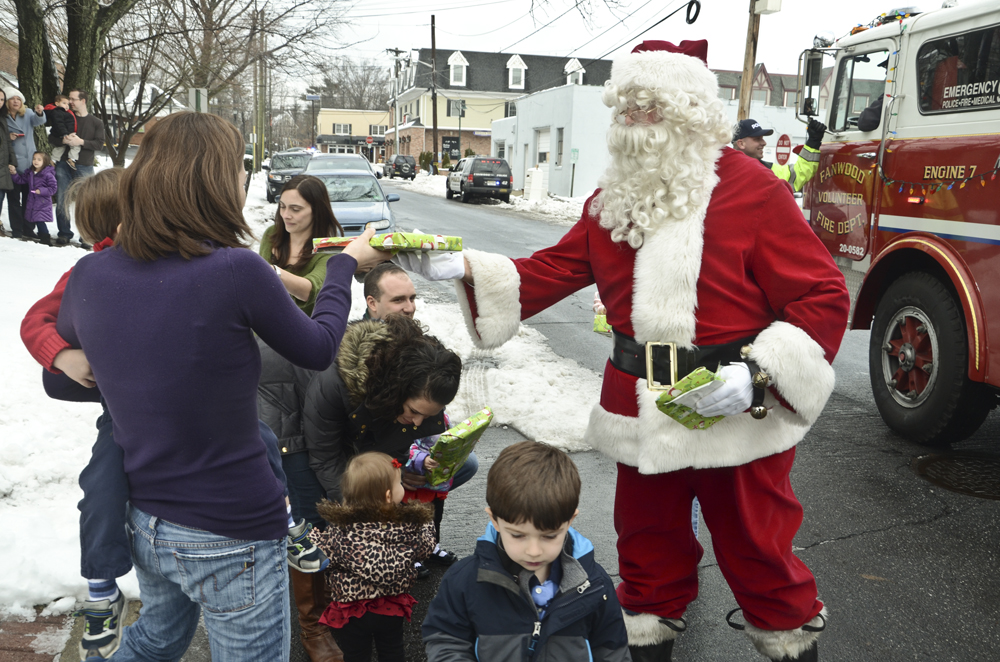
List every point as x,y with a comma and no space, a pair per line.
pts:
432,265
735,395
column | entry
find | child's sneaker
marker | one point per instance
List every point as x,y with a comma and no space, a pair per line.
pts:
71,163
102,628
303,555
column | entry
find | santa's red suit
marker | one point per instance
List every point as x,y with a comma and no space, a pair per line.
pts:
744,265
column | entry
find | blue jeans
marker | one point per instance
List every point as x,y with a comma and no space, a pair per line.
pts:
304,489
64,177
104,548
240,586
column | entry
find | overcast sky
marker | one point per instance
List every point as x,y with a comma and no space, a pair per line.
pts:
497,25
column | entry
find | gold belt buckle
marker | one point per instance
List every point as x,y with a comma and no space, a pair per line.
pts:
651,383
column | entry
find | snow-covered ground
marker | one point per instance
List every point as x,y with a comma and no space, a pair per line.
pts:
553,208
44,444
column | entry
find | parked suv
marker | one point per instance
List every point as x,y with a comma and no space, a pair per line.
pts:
284,166
401,165
485,176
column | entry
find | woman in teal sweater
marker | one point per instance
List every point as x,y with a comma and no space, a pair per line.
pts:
304,213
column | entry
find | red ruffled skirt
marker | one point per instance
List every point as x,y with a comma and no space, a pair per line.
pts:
338,613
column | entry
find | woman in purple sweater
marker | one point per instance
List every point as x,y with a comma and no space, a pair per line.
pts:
167,320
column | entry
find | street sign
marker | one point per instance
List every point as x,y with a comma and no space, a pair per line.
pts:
312,97
783,149
574,155
369,140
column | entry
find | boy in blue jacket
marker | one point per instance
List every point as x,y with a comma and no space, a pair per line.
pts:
532,590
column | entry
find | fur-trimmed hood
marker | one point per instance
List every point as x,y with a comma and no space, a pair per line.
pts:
355,348
413,512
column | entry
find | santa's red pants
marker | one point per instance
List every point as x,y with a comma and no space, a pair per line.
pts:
752,515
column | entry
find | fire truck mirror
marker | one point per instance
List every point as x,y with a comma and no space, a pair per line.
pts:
813,69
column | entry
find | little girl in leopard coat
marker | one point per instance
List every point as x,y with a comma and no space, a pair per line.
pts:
373,541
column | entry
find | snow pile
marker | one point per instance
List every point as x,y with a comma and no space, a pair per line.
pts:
433,185
44,443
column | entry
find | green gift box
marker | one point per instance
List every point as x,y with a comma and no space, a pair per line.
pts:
452,448
679,401
393,242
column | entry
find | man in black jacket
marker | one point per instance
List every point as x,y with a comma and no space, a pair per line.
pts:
89,137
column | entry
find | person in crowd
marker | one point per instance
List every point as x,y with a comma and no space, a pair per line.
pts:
373,541
21,125
40,181
202,490
304,213
62,123
104,546
687,241
89,138
7,190
748,137
388,290
529,556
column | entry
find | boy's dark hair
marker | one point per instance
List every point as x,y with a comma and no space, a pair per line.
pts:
96,207
533,482
375,276
60,97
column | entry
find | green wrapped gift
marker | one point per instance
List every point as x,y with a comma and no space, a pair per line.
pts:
393,242
678,403
601,325
454,445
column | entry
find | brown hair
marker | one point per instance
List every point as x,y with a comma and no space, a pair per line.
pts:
533,482
82,94
46,161
96,207
375,276
410,364
60,97
324,223
182,193
366,480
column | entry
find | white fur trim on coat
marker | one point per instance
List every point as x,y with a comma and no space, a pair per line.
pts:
655,443
498,304
797,366
781,644
664,299
647,629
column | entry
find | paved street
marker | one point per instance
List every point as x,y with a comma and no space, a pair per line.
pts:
907,569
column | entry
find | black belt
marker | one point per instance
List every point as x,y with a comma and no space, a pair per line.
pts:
629,356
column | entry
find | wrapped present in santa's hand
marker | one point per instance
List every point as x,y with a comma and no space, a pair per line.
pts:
393,242
678,402
453,447
601,325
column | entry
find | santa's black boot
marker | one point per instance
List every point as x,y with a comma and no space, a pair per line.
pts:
798,645
651,638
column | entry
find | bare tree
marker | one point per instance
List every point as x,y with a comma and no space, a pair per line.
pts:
347,83
138,78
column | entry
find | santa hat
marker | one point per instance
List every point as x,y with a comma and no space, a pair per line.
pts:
660,65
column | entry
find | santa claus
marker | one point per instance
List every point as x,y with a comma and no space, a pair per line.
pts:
702,259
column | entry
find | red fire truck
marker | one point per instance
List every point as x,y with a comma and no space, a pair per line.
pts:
907,199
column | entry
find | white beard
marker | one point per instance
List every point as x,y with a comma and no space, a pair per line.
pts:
658,173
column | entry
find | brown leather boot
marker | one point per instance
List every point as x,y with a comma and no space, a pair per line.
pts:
311,601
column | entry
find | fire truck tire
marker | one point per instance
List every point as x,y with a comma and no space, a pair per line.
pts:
918,363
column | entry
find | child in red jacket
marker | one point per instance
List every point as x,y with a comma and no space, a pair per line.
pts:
104,546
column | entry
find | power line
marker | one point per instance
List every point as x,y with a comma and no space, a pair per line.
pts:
620,22
424,11
481,34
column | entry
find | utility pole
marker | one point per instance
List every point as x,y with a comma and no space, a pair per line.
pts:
461,114
434,95
395,99
749,61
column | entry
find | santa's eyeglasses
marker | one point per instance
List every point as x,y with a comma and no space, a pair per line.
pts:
639,116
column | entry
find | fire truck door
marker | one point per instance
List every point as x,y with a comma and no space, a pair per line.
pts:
847,186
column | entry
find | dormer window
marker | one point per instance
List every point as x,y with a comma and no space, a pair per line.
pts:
515,72
574,72
457,65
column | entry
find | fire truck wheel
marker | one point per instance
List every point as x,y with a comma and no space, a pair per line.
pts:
918,361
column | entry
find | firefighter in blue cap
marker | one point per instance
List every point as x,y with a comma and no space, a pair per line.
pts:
748,138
